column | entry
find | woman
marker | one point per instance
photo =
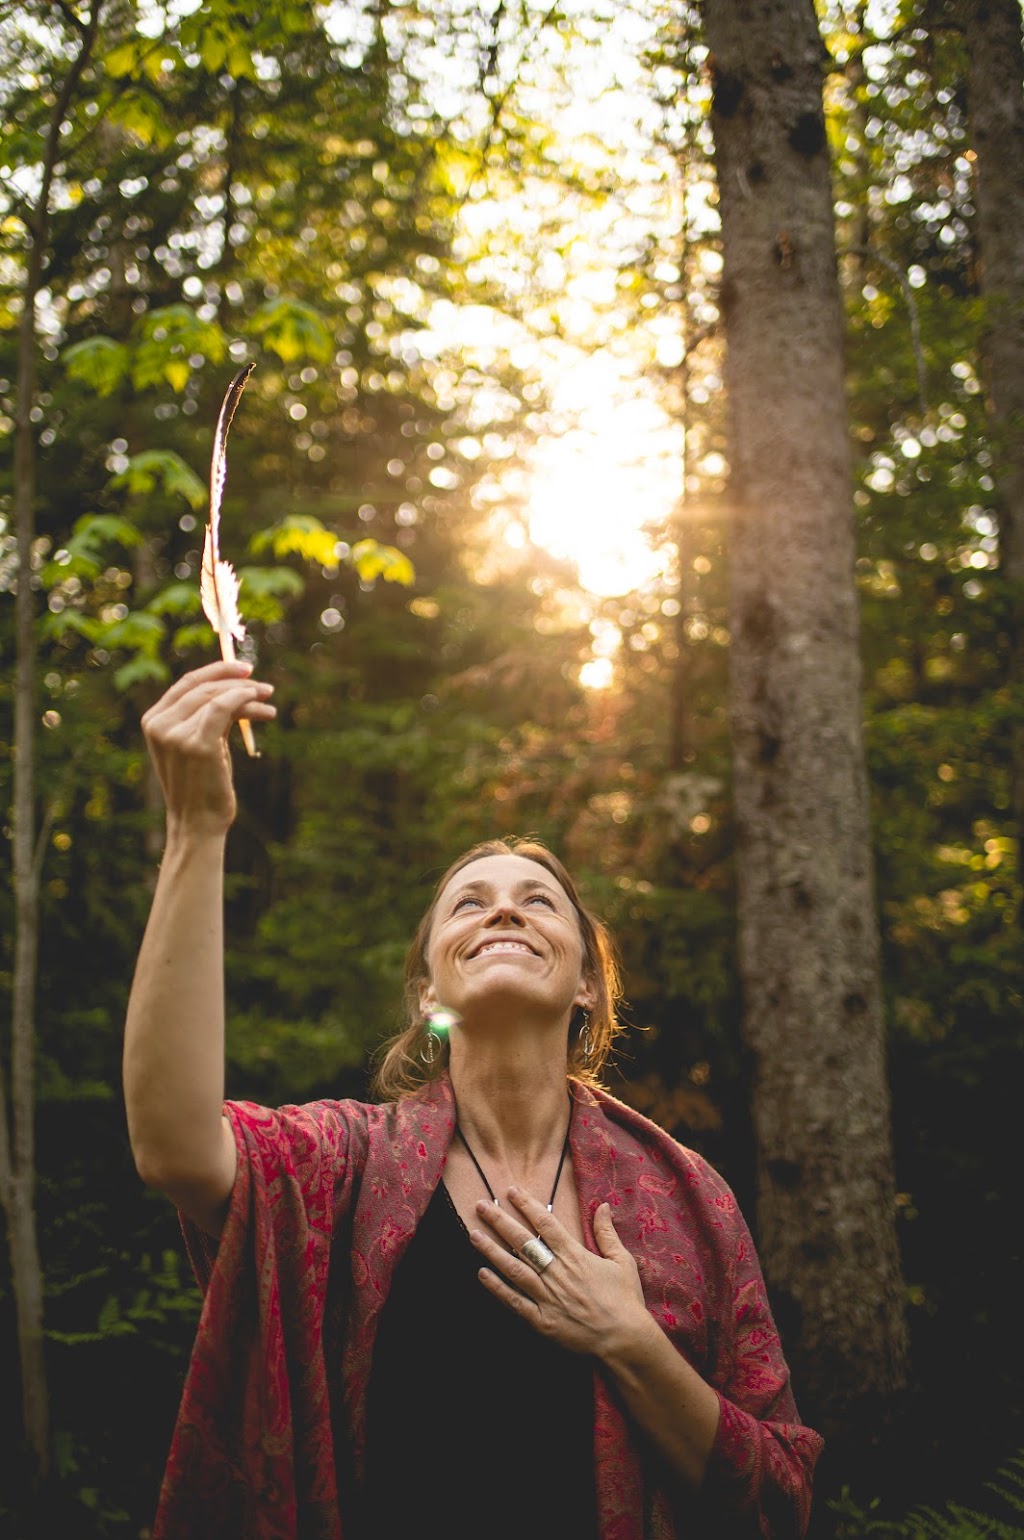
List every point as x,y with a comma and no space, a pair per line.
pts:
495,1301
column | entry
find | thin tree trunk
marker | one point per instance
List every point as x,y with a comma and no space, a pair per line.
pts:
995,103
17,1136
808,938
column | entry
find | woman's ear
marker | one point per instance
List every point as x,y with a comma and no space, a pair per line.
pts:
586,995
428,998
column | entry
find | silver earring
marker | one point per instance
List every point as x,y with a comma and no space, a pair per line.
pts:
430,1048
584,1038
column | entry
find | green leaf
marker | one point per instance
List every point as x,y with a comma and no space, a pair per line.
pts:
56,625
372,561
98,362
111,1322
178,372
175,599
168,338
257,581
240,62
293,330
140,116
262,589
139,670
86,552
213,49
96,529
160,468
299,534
122,60
199,635
137,629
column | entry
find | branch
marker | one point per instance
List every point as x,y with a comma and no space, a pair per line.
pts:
501,101
70,16
710,330
497,108
126,83
59,113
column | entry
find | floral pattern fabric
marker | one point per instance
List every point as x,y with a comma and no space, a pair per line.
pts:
271,1428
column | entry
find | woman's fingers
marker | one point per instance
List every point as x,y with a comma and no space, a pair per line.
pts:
194,689
528,1218
186,732
202,706
578,1298
221,670
206,713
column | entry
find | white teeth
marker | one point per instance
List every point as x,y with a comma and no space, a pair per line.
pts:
504,946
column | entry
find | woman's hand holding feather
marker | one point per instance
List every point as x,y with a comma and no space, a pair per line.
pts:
186,733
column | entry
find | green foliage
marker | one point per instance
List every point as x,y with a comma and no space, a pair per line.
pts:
161,350
372,560
169,340
293,330
99,362
299,535
88,547
299,206
264,590
176,599
1003,1520
138,114
162,469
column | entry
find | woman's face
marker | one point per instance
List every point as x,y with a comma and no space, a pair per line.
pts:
505,932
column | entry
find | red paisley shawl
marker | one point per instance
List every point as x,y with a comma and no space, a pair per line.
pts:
271,1427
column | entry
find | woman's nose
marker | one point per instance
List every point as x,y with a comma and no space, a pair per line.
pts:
505,914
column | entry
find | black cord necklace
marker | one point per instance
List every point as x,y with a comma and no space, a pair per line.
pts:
558,1173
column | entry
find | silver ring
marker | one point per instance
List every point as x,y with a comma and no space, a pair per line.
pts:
536,1253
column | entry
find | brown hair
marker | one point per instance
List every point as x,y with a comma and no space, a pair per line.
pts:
400,1068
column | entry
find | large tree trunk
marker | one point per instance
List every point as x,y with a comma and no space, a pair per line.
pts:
808,938
995,100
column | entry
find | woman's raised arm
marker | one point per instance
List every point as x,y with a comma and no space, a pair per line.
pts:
174,1032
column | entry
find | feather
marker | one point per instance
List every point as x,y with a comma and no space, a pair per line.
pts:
218,589
218,583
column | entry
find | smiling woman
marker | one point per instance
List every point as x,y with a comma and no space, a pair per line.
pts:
496,1231
538,878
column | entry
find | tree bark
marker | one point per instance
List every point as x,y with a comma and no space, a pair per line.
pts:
17,1134
808,935
995,105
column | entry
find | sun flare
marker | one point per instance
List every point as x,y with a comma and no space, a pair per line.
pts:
596,488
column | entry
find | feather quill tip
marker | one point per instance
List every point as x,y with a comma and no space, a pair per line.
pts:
245,727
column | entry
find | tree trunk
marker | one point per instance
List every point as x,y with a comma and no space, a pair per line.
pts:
808,938
18,1159
17,1133
995,104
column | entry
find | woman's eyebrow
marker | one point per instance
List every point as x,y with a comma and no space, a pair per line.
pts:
481,885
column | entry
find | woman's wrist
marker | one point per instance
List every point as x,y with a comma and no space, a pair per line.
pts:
187,836
628,1352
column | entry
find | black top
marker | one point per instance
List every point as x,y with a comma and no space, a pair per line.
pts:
478,1428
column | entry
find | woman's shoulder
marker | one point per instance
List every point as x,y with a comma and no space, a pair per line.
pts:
632,1133
326,1124
329,1120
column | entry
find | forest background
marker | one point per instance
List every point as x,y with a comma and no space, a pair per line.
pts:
479,493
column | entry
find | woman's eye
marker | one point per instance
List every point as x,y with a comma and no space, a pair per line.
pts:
540,898
463,902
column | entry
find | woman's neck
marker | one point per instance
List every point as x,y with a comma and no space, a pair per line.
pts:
513,1110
